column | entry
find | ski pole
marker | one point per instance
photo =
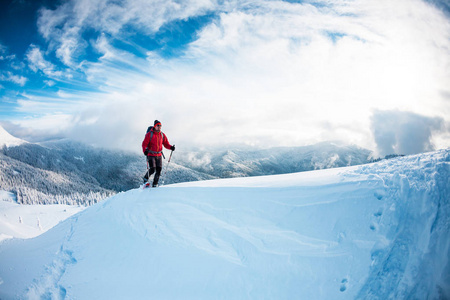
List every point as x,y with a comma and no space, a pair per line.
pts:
148,171
170,157
165,171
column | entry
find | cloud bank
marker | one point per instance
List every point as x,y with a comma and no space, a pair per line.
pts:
253,73
404,132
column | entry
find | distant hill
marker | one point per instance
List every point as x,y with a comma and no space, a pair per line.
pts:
34,185
73,173
64,171
242,163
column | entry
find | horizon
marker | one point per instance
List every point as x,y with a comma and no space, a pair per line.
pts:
372,156
223,73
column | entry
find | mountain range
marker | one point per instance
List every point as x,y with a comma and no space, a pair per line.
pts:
68,172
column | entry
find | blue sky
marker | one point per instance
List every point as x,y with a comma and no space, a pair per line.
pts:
221,73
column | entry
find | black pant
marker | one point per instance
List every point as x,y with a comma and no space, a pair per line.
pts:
155,165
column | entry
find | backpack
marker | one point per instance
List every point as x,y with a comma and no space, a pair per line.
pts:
151,135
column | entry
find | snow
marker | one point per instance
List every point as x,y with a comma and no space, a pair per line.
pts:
27,221
378,231
310,178
8,140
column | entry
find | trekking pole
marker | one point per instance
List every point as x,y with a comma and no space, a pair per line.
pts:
165,171
148,175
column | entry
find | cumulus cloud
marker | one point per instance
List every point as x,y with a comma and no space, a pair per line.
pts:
400,132
37,130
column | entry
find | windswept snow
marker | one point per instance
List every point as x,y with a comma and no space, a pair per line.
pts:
378,231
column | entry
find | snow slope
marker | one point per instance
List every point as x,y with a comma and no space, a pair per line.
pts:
378,231
27,221
8,140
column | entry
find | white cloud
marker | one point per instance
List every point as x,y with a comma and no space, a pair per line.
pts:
36,129
17,79
49,82
265,73
9,60
37,62
63,27
405,132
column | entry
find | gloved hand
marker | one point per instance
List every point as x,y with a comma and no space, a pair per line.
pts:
172,148
146,152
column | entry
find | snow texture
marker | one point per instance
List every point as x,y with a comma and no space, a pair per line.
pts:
378,231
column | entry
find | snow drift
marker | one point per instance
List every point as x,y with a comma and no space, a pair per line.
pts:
378,231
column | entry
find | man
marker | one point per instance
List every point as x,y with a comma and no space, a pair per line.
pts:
152,147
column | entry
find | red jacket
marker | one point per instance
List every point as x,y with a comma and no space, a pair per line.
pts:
154,146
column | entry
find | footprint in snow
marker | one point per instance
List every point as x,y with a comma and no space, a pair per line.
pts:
378,214
379,194
344,285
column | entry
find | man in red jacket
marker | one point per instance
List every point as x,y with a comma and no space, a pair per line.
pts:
152,147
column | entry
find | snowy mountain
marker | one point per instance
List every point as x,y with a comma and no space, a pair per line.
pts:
7,140
377,231
243,163
32,185
65,171
73,173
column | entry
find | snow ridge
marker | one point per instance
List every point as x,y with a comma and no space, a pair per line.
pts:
415,218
